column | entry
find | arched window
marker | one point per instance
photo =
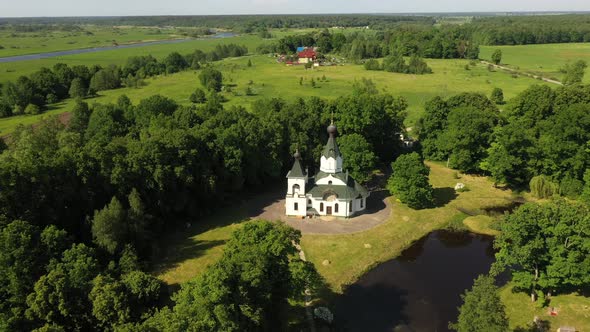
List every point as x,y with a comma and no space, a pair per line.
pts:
321,207
296,206
362,202
350,206
295,189
309,201
330,182
336,208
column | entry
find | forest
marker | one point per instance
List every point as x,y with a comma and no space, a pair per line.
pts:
95,194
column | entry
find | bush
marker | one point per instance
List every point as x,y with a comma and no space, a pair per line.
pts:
571,187
51,98
198,97
211,79
497,96
5,110
372,64
32,109
542,187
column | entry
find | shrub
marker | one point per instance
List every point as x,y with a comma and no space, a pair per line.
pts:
571,187
32,109
51,98
497,96
372,64
542,187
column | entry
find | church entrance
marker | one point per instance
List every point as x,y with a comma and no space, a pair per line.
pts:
329,210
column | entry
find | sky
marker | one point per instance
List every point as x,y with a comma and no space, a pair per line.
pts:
28,8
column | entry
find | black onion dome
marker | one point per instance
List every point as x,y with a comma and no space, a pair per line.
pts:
332,129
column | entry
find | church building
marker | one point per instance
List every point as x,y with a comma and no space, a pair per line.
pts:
330,192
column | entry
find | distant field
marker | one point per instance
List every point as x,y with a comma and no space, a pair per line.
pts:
544,58
270,79
11,71
19,43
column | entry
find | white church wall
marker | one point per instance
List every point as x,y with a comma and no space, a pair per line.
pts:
296,206
299,182
331,165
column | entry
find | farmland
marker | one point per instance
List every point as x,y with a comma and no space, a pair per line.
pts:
543,59
270,79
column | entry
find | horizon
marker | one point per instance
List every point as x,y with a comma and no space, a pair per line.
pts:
117,8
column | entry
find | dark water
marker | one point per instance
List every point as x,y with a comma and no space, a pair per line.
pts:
107,48
418,291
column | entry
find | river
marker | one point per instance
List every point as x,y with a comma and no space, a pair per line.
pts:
418,291
108,48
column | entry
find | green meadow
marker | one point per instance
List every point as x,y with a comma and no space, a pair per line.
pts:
269,79
12,70
544,59
19,43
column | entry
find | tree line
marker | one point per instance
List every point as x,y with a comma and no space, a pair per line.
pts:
81,206
240,23
531,29
31,94
543,132
446,42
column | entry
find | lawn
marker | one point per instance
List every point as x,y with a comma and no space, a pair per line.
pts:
573,310
270,79
545,59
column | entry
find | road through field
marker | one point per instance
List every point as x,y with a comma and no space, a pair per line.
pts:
548,80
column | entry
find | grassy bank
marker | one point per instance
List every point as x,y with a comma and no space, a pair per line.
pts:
350,258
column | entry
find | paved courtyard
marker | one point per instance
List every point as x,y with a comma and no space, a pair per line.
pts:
378,211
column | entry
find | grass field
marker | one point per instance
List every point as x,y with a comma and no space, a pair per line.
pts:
573,310
545,59
19,43
11,71
270,79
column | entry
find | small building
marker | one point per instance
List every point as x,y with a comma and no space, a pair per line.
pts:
331,192
306,56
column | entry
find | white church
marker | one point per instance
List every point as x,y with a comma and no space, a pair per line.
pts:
331,192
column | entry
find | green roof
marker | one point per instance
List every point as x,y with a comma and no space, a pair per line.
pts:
331,148
351,190
296,171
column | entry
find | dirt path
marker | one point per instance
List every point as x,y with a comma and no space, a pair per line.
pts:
548,80
378,211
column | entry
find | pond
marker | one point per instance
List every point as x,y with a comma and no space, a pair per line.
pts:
418,291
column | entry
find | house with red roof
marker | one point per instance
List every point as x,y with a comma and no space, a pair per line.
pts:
307,55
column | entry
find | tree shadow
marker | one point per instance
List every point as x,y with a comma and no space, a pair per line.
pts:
376,201
443,196
187,248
